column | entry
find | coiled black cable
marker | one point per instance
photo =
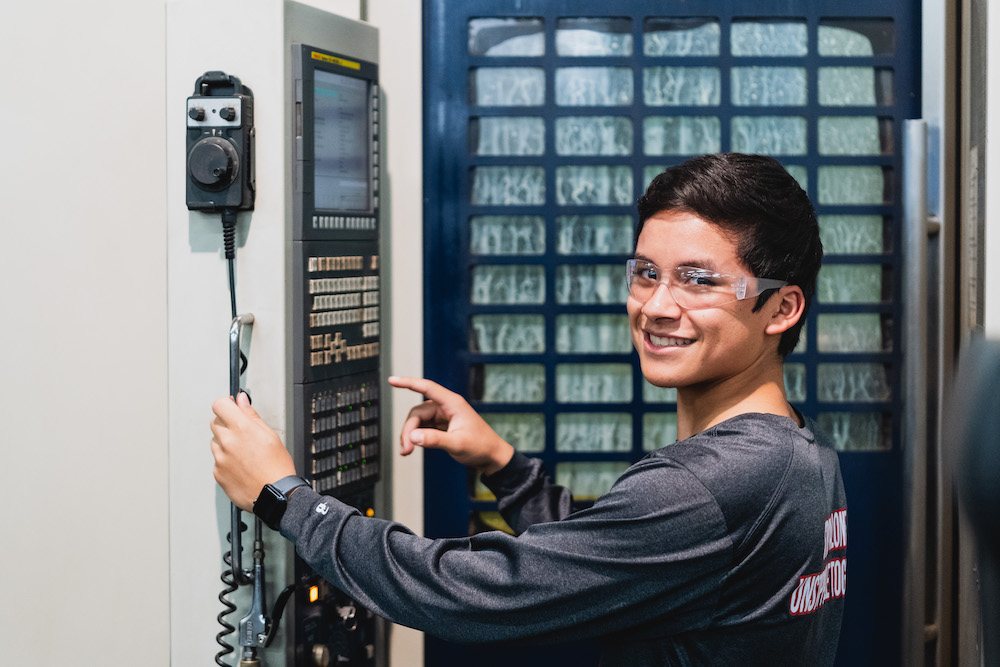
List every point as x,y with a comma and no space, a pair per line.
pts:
228,578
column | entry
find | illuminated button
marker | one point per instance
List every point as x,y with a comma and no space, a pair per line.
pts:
313,593
369,512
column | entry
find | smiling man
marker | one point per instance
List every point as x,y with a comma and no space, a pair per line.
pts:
727,547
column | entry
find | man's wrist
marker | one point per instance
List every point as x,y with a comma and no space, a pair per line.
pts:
273,499
498,463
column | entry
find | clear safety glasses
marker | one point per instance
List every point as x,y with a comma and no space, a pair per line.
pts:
691,287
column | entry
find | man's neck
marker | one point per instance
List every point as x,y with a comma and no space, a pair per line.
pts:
703,406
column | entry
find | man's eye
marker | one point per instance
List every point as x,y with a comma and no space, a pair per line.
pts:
647,273
704,278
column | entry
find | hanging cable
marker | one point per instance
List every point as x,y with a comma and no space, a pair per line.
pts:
230,577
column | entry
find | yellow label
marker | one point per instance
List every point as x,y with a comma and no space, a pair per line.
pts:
335,60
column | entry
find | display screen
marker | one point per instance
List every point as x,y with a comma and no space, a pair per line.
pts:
341,150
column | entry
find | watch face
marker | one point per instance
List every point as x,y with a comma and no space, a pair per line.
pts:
270,506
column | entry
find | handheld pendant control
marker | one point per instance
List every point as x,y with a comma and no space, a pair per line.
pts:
220,143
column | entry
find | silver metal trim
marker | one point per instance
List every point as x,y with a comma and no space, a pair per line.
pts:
915,295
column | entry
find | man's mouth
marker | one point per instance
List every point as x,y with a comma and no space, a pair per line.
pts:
669,341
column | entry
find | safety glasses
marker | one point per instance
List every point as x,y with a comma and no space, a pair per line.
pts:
694,288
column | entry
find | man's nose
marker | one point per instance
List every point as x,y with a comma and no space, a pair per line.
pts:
661,302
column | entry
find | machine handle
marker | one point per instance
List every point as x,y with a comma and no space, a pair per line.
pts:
240,322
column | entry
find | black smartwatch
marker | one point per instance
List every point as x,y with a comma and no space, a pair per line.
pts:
272,501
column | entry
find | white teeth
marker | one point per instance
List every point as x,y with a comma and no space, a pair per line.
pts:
667,341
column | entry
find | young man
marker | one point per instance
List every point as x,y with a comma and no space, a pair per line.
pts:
727,547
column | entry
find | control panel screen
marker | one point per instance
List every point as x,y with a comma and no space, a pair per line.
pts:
342,174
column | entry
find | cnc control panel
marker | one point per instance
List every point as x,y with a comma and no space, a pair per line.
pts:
336,324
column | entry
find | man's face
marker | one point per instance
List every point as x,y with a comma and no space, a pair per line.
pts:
682,348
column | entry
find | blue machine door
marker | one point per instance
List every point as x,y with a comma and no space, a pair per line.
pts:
544,121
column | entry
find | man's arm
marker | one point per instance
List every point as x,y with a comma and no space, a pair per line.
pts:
526,495
652,552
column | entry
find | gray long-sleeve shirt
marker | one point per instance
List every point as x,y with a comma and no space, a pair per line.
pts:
727,547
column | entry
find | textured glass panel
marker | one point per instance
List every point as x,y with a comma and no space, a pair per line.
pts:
856,431
850,283
508,284
769,38
591,283
795,382
594,234
854,135
653,394
594,37
659,429
680,135
851,234
603,333
588,480
681,86
507,135
850,332
508,334
508,186
847,86
680,37
506,37
507,86
851,185
593,383
524,431
855,86
800,174
856,37
593,86
593,432
588,186
593,135
769,86
769,135
507,235
852,383
512,383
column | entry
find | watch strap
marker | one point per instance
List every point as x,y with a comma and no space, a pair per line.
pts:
286,484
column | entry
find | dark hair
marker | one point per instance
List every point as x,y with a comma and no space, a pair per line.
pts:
755,200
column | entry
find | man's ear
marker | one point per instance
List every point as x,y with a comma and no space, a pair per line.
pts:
786,310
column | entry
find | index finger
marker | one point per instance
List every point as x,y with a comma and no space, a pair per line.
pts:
432,390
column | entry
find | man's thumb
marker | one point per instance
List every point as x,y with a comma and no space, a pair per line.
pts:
243,401
429,438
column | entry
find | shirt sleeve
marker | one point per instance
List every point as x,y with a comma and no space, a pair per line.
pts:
654,550
526,495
